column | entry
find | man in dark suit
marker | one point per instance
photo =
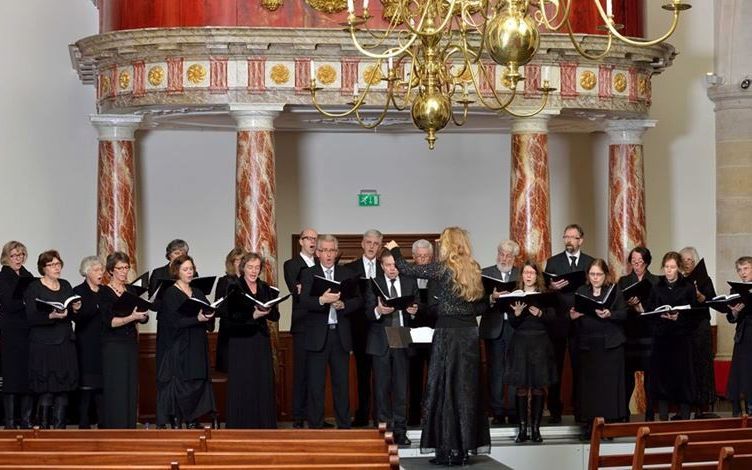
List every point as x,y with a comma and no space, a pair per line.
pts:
570,260
420,353
365,267
497,332
390,365
327,336
293,268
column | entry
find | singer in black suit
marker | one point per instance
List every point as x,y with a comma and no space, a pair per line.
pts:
570,260
497,332
390,365
327,336
293,268
740,376
367,266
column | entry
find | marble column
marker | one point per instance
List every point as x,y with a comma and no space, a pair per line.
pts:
116,185
733,148
626,191
529,190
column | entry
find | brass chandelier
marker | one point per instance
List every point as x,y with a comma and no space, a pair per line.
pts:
433,50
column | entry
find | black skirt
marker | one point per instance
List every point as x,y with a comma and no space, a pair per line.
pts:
185,398
119,384
454,418
53,368
251,401
530,360
600,382
672,371
703,364
15,359
740,376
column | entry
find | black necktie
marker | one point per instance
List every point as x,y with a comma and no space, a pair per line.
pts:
573,263
392,295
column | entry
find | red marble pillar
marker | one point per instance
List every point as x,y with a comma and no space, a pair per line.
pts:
116,186
529,211
626,193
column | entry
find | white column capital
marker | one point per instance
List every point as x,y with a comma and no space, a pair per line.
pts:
116,126
255,117
537,124
628,131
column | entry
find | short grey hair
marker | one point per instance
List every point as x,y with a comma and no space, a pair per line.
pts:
422,243
176,244
373,233
326,238
692,251
509,246
88,263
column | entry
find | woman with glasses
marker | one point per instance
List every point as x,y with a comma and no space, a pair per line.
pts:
119,347
14,336
600,349
53,368
637,329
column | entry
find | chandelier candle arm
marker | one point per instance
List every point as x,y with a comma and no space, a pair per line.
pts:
676,6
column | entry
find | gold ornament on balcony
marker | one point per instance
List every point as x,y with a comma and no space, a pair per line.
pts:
326,74
280,74
271,5
156,75
196,73
124,79
588,80
620,82
427,40
328,6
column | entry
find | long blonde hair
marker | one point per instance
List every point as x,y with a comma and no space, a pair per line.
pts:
456,254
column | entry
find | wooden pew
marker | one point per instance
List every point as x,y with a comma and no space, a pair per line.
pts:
601,431
177,466
647,440
728,460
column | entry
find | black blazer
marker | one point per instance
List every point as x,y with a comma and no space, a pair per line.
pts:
239,321
589,328
317,315
681,293
492,323
559,264
293,270
745,316
636,326
12,310
43,329
377,343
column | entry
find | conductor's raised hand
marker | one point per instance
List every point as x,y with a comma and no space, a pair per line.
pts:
391,245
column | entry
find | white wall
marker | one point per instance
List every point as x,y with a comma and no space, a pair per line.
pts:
186,179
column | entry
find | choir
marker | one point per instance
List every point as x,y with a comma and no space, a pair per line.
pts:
57,339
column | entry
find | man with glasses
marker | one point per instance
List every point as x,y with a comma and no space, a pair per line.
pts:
497,332
293,268
328,339
365,267
570,260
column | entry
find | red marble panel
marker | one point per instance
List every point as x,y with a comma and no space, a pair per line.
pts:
217,75
255,222
632,84
302,74
174,74
256,74
626,221
532,80
349,75
487,80
604,81
139,78
568,80
530,219
116,200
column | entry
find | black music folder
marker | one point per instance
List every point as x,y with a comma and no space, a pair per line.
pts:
191,306
397,303
575,278
540,300
48,306
490,283
669,309
699,274
348,288
125,304
141,283
588,305
640,289
722,303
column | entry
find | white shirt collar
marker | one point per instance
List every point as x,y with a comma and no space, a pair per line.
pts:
309,261
366,263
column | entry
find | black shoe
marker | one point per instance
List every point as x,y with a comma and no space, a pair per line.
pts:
458,458
402,440
9,410
298,424
521,402
554,419
360,423
326,425
536,414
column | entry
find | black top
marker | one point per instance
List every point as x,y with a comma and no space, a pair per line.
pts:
453,310
680,292
89,329
127,332
492,322
43,329
377,342
636,326
293,270
610,331
706,288
239,321
12,310
560,264
527,322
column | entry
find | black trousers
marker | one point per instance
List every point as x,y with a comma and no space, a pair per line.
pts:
496,351
390,387
555,406
119,384
418,366
338,359
299,382
363,372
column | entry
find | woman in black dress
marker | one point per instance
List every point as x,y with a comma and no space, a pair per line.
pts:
183,373
740,377
600,350
639,343
250,388
53,368
454,422
89,340
530,364
14,336
119,348
232,271
672,372
702,336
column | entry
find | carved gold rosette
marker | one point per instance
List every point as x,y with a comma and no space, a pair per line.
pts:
271,5
156,75
328,6
620,82
280,74
326,74
124,80
196,73
372,75
588,80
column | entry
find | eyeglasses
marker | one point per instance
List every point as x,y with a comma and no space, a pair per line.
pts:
637,262
327,250
310,239
54,264
17,255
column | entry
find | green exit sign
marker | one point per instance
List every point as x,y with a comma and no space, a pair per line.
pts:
368,199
